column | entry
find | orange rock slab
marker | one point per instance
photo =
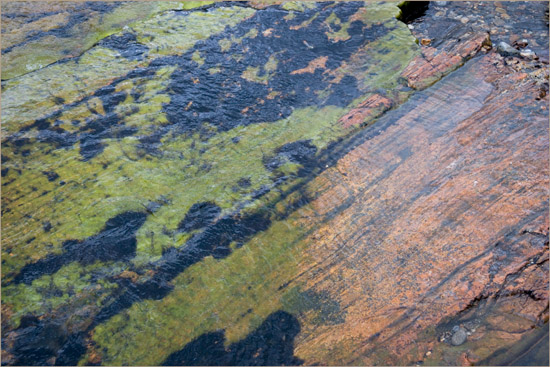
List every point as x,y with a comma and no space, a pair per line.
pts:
443,205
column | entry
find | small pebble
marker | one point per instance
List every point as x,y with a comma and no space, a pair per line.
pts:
410,26
506,50
528,54
464,20
425,41
459,337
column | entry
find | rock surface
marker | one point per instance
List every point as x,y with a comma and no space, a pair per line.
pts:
400,190
37,34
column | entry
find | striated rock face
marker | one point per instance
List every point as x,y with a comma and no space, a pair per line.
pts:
434,200
274,184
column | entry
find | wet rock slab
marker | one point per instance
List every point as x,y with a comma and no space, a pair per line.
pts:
434,199
385,216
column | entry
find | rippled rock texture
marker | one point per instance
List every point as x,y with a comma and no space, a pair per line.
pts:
271,184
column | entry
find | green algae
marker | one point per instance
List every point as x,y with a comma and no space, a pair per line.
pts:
126,176
342,33
187,5
165,35
34,95
298,5
81,36
209,295
197,58
49,292
109,180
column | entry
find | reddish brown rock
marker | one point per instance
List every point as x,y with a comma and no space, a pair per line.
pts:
440,211
370,108
437,62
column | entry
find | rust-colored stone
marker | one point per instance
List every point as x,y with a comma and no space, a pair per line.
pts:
371,107
425,41
318,63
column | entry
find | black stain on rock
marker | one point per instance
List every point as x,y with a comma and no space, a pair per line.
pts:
115,242
47,226
301,152
126,44
44,342
271,344
52,176
199,98
221,98
35,342
199,216
244,182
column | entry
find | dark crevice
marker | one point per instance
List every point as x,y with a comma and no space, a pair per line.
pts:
412,10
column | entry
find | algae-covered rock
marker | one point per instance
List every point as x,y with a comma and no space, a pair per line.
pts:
169,140
36,34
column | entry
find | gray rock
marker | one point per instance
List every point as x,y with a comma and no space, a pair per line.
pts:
506,50
459,337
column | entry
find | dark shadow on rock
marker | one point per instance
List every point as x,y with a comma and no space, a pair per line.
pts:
115,242
271,344
301,152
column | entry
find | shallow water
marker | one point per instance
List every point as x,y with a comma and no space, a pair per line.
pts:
164,182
